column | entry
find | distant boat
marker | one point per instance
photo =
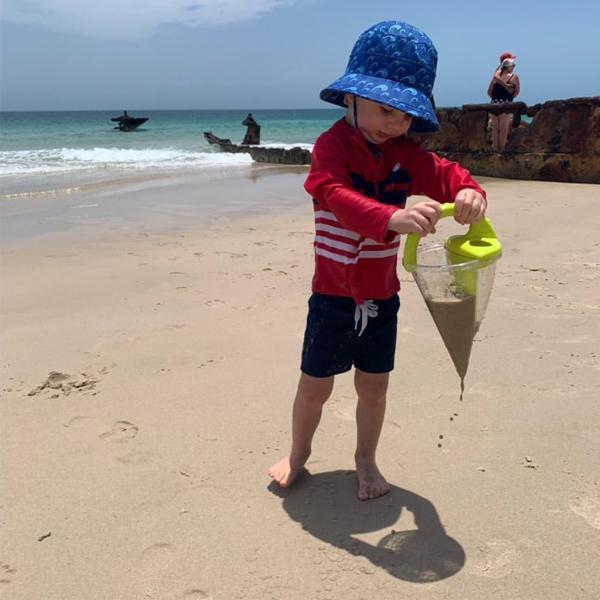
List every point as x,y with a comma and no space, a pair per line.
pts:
127,123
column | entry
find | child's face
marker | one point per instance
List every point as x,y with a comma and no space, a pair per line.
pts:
377,122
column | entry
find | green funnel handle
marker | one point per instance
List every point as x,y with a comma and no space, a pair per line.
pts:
447,210
479,230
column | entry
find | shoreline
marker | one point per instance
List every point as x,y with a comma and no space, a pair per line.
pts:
145,198
121,177
170,198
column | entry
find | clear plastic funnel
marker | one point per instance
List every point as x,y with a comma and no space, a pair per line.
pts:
455,278
456,294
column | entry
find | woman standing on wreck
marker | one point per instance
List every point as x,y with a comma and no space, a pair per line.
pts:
504,87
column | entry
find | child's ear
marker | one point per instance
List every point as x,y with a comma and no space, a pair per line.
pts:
348,98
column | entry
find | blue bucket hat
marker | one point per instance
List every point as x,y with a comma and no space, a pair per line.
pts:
392,63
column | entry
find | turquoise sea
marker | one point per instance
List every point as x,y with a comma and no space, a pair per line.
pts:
46,151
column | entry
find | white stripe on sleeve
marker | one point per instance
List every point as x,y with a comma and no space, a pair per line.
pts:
335,256
337,231
323,214
335,244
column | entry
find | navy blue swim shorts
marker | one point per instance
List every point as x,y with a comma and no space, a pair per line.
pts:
332,343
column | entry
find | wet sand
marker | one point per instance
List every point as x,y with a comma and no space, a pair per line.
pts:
137,470
455,320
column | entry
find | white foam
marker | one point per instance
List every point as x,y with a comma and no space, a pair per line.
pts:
287,146
62,160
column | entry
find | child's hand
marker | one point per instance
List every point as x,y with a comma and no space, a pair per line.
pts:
469,206
420,218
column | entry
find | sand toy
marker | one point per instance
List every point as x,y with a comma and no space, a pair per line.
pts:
456,277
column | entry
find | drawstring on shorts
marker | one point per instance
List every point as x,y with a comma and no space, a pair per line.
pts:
368,309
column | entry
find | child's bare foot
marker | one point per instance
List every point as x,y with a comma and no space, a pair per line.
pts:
288,468
371,483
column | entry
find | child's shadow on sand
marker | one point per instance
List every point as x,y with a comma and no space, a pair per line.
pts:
326,505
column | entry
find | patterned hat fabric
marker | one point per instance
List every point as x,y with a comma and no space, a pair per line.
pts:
392,63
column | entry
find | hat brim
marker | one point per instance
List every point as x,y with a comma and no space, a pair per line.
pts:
397,95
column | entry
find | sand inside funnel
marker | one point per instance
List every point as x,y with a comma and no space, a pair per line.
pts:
455,320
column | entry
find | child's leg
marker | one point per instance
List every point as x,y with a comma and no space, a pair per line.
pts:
312,393
370,411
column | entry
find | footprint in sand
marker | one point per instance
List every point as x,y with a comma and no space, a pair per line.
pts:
77,421
158,577
196,595
588,508
121,432
6,572
232,254
214,302
157,557
135,458
155,564
82,428
495,559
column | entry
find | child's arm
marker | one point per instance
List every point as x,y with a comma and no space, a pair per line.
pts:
330,184
444,181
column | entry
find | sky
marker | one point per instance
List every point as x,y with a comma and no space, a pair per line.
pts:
260,54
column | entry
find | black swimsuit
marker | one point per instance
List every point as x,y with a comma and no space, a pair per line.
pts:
501,94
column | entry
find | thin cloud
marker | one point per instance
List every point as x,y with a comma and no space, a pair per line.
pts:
130,19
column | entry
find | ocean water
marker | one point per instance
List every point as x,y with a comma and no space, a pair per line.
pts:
48,151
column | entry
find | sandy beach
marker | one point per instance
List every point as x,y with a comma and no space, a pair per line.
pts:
149,356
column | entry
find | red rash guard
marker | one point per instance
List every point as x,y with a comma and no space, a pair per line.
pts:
356,187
